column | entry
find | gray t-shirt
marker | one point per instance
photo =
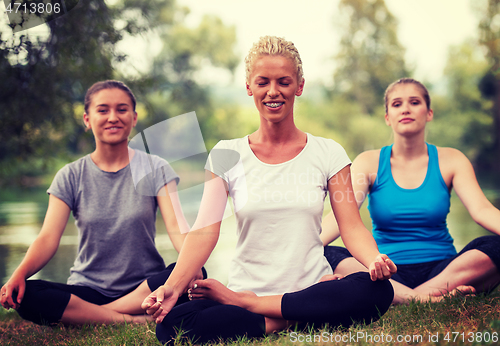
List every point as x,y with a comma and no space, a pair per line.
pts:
115,215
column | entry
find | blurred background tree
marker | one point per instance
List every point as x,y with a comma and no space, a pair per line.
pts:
462,118
489,31
41,79
371,56
173,89
44,79
466,103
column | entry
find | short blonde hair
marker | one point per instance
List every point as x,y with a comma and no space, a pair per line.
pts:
272,45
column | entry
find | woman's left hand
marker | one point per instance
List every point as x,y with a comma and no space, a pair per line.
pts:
382,268
159,303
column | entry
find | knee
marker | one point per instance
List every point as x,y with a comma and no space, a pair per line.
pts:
31,295
42,304
376,298
182,321
379,293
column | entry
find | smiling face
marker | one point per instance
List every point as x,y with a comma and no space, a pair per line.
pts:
273,85
110,116
407,111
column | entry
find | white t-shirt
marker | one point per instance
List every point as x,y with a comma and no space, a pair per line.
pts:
278,210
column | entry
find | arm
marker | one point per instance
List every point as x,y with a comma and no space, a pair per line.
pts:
39,253
171,211
468,190
198,246
361,175
357,239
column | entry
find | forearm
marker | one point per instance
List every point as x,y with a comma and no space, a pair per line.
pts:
177,238
360,243
489,218
197,247
38,255
172,214
202,238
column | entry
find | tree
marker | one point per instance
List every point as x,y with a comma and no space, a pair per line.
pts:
370,56
462,105
174,90
489,30
44,79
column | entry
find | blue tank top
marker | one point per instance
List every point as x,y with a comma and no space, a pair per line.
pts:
409,225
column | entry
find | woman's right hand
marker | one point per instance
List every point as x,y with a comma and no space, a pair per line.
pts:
382,268
159,303
16,284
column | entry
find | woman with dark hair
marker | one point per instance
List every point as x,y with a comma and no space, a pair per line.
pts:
117,256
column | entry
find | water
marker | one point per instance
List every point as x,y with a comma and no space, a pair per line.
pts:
21,219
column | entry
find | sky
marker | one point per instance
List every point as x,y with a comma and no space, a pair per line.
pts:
426,29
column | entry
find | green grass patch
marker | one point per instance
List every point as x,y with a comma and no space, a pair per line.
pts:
471,320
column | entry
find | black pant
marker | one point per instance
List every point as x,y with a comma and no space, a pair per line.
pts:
413,275
353,299
44,302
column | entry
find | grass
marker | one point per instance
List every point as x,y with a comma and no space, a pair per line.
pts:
472,320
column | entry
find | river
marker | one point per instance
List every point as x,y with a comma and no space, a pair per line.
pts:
21,216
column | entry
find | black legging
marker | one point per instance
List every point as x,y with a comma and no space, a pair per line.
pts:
44,302
353,299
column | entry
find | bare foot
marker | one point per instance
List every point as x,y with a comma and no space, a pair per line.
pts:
214,290
438,296
142,319
464,290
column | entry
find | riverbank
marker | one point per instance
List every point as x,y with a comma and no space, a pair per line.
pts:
471,320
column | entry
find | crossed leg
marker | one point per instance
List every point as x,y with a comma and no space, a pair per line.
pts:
47,302
473,269
471,272
79,311
271,307
219,313
125,309
268,306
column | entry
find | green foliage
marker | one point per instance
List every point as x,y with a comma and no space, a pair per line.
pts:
461,116
170,89
370,57
184,52
489,32
345,122
44,79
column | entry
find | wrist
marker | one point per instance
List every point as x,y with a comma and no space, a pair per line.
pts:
20,274
176,288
